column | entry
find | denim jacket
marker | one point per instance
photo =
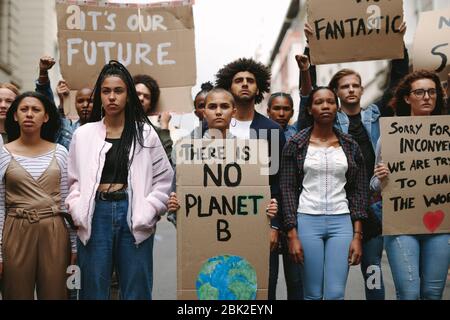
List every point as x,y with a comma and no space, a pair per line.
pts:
369,117
64,134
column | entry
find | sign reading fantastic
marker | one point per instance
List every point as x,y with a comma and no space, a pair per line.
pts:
355,30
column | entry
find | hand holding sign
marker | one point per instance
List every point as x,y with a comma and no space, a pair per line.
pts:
309,31
381,171
272,208
173,204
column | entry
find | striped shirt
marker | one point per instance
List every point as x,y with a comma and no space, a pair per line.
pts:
35,166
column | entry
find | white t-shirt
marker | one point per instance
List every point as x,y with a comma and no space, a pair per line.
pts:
324,182
240,129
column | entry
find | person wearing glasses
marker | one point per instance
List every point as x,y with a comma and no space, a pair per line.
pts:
419,263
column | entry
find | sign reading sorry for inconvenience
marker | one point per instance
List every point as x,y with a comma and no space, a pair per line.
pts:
416,198
355,30
222,227
156,41
432,42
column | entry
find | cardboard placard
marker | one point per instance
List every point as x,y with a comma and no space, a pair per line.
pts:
158,41
416,196
431,49
355,30
222,227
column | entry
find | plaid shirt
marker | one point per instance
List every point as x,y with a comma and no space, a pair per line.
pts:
291,176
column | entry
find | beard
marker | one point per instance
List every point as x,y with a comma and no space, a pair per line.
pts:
245,99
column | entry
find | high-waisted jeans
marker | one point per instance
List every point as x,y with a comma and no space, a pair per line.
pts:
419,265
326,242
112,245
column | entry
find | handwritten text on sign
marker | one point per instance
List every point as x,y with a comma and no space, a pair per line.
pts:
156,41
355,30
416,198
223,196
432,42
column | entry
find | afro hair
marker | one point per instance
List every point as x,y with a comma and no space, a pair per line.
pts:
260,71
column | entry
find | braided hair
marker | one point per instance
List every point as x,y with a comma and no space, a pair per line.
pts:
282,95
135,118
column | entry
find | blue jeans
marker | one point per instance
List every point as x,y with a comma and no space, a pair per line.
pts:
326,242
292,273
371,261
112,246
419,265
371,269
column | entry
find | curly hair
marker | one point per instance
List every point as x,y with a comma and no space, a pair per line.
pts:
403,89
151,85
48,129
260,71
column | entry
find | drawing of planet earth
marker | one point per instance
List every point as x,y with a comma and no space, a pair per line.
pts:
226,277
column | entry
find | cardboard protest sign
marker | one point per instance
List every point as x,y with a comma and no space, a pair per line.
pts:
355,30
158,41
222,227
416,197
431,49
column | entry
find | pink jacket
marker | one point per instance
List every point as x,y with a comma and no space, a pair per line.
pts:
149,180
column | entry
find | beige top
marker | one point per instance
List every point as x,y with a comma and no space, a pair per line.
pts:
23,191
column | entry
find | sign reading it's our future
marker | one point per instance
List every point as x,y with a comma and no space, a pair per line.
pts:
355,30
416,197
158,41
222,226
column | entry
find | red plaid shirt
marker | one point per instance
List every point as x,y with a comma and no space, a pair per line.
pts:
291,176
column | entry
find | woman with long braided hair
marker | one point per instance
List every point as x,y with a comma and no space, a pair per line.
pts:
119,178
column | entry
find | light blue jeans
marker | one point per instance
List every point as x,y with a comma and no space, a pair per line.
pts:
326,242
419,265
112,245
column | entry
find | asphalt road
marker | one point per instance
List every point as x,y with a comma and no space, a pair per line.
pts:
164,282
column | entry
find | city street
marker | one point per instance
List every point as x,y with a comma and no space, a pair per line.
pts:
164,282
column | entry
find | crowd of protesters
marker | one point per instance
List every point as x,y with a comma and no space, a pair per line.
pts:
90,192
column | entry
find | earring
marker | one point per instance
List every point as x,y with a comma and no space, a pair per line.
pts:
101,112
